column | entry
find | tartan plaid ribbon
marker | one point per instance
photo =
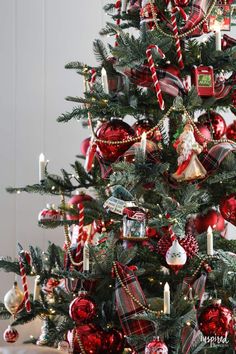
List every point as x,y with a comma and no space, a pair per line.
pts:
228,42
223,87
188,337
212,160
127,308
169,83
198,11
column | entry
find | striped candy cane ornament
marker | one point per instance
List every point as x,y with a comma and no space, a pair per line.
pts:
118,7
176,33
154,74
92,79
80,240
25,285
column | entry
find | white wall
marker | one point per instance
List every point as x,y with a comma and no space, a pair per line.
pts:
37,38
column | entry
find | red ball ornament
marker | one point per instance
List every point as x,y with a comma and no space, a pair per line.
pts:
91,337
114,342
231,131
10,335
212,218
143,126
49,217
82,308
181,3
215,320
204,131
84,146
156,346
75,200
215,123
114,130
228,208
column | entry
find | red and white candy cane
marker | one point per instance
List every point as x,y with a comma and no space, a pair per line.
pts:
154,74
92,79
80,232
118,7
176,33
25,285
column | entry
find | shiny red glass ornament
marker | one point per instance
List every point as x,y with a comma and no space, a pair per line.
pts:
49,217
114,130
10,335
228,208
231,131
84,146
82,308
75,200
215,123
215,320
156,346
144,125
91,337
204,131
212,218
114,342
181,3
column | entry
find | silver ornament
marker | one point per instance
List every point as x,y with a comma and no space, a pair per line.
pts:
14,299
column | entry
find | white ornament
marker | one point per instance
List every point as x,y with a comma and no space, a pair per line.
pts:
176,256
14,299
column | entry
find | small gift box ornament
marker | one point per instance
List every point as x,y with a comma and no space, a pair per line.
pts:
203,80
134,224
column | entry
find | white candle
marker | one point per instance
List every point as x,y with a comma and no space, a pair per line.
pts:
210,250
144,144
166,299
218,38
86,257
36,288
104,81
42,164
124,5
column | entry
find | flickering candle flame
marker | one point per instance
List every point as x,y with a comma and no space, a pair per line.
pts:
210,250
42,164
166,299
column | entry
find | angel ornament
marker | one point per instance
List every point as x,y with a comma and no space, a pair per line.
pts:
189,166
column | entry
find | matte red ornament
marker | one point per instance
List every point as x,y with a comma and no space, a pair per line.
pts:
82,309
143,126
75,200
204,131
156,346
181,3
215,320
114,130
49,217
215,123
231,131
84,146
10,335
228,208
212,218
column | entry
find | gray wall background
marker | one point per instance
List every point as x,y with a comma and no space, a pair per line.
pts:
37,39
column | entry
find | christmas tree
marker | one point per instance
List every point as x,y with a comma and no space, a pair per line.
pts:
146,266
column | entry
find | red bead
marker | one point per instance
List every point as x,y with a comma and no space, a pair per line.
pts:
156,346
114,130
75,200
82,309
228,208
204,131
10,335
215,123
215,320
231,131
212,218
